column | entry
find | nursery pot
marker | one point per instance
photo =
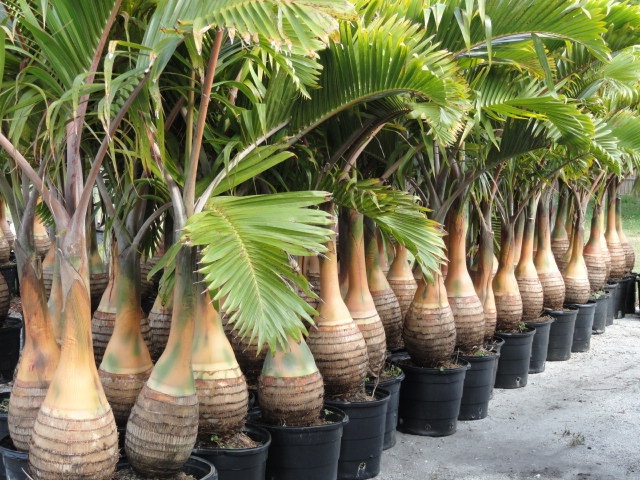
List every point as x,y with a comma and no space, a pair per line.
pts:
397,357
4,427
600,314
16,463
561,334
478,385
623,291
363,436
430,399
584,324
10,351
240,463
630,299
197,467
612,289
540,344
391,385
513,365
309,453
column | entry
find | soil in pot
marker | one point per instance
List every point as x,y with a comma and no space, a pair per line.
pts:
390,380
513,364
195,469
540,343
478,384
363,437
243,459
430,399
561,334
584,324
309,453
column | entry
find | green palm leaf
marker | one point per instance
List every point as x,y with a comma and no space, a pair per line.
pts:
245,246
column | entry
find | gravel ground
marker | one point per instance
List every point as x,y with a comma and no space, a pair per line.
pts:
579,419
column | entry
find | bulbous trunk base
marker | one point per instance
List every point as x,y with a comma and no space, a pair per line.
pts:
374,336
161,432
390,314
468,316
532,297
42,243
159,325
577,290
247,354
223,402
429,333
314,284
122,391
553,289
341,356
618,260
559,247
102,324
5,250
76,445
291,400
509,311
597,270
24,404
405,290
490,321
98,282
629,256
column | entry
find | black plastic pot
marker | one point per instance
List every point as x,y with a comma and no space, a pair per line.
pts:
16,463
612,289
630,299
430,399
363,436
561,334
10,351
623,291
397,357
540,343
308,453
240,463
584,324
392,386
494,343
199,468
478,385
4,431
513,365
600,313
9,271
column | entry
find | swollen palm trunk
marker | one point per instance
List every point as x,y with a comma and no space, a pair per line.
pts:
629,254
163,426
401,279
616,251
48,267
505,285
39,357
5,248
249,357
385,300
528,282
429,329
41,238
103,319
550,277
312,273
159,325
220,385
98,272
74,436
560,240
359,300
290,388
335,340
593,253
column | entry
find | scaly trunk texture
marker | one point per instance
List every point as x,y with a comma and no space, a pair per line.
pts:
249,357
384,299
160,324
103,319
335,340
603,241
528,282
5,248
548,272
220,385
401,281
592,252
48,269
505,286
560,237
618,260
359,300
429,328
74,436
290,388
41,238
126,364
39,357
486,267
463,300
4,225
576,275
311,270
163,425
629,254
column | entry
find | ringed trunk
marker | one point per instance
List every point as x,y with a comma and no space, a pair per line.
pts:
505,285
629,254
41,237
560,237
593,253
528,282
553,288
160,324
485,271
576,275
618,260
401,281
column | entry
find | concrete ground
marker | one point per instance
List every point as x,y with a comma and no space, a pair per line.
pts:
579,419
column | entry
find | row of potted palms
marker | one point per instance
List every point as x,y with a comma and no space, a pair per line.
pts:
205,122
